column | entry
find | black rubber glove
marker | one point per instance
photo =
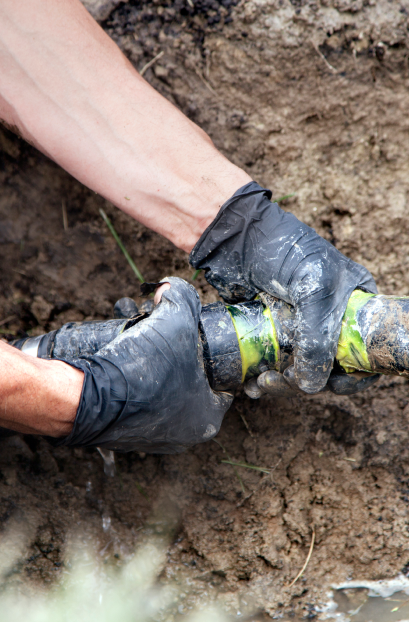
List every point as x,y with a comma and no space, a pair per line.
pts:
254,246
284,385
147,390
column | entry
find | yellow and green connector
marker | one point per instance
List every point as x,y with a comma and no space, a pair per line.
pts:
374,335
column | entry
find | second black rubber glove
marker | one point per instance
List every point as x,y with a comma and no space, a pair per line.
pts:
253,246
147,389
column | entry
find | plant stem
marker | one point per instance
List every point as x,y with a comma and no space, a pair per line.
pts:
234,468
246,466
286,196
121,246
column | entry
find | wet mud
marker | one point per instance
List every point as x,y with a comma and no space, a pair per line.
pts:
310,98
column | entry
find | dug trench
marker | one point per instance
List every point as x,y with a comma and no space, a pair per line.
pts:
311,99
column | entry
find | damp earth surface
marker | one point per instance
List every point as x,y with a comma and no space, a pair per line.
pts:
311,98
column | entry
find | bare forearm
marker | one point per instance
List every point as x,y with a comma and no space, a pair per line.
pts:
37,396
69,90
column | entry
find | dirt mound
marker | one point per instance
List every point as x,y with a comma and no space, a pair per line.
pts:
310,98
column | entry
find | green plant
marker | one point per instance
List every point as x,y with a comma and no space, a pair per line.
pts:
121,246
90,593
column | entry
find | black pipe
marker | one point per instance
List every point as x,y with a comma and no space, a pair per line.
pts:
241,341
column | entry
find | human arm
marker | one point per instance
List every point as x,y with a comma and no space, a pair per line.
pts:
145,390
67,88
254,246
37,396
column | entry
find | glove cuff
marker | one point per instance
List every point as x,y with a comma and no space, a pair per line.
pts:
104,396
220,251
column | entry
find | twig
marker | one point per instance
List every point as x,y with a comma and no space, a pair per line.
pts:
245,465
7,319
205,82
321,55
64,216
234,468
243,501
276,465
190,3
19,272
121,246
150,63
306,561
247,425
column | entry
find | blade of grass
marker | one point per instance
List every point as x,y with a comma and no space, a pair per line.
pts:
286,196
234,468
245,465
141,490
195,274
4,331
121,246
243,418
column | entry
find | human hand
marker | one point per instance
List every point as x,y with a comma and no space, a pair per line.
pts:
254,246
284,385
147,389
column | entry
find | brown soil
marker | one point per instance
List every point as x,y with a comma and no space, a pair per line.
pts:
310,98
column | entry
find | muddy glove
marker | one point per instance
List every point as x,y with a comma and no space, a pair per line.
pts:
284,385
147,390
254,246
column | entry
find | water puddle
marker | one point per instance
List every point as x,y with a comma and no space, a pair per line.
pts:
369,601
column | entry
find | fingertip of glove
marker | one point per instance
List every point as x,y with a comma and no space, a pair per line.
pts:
181,300
348,384
369,287
252,389
276,384
311,379
178,287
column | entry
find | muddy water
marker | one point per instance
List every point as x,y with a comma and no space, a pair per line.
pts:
357,606
370,601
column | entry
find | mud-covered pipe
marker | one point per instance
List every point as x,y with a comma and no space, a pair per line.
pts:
374,337
240,341
73,339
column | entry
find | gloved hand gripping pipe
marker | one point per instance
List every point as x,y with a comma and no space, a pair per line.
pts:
374,337
243,340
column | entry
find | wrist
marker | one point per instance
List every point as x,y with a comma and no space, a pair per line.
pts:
201,204
37,396
62,387
77,99
225,250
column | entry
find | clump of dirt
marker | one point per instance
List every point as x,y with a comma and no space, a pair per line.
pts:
310,98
